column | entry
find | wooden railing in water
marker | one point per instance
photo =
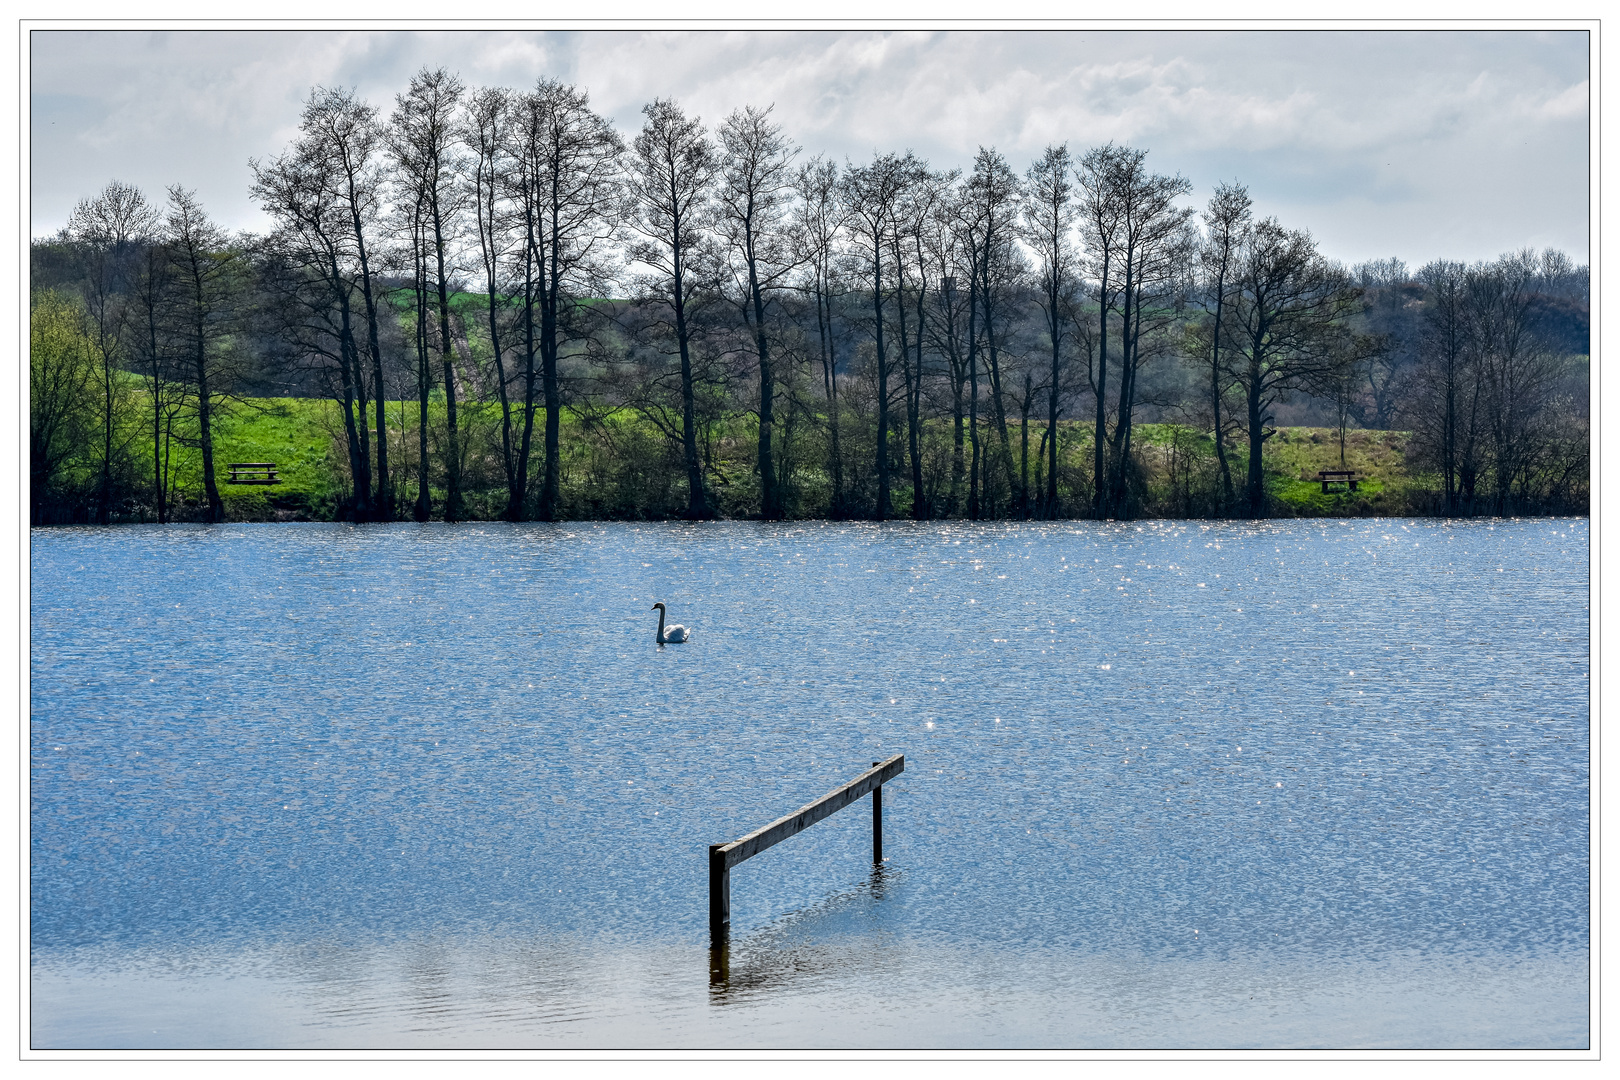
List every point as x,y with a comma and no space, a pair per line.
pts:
723,857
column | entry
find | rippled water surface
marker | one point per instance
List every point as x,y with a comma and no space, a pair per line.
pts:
1167,785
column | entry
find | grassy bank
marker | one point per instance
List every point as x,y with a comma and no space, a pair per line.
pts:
616,466
1295,455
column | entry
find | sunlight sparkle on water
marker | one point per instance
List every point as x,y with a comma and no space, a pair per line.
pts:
404,816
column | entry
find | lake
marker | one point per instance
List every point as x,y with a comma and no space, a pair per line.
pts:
1167,784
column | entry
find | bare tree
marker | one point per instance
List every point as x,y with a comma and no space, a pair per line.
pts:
672,172
1049,219
1101,214
990,206
914,216
422,138
1444,410
1341,382
572,205
755,184
872,195
487,131
1486,410
411,254
947,330
109,229
821,216
203,269
299,191
1288,306
1515,367
161,369
345,131
1226,227
1390,298
1154,248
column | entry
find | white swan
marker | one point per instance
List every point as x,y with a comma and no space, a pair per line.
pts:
675,635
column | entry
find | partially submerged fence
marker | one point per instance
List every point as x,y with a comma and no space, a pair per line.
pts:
722,857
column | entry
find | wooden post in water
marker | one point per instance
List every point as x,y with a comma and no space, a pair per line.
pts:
719,891
877,822
722,857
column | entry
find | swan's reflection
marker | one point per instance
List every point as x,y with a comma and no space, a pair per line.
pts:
800,950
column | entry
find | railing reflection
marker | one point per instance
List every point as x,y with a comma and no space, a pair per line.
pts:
778,959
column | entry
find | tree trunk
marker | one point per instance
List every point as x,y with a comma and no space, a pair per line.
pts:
975,469
550,314
513,495
912,378
958,442
1215,391
921,510
517,498
148,298
1050,511
697,505
1023,461
1257,438
167,482
424,383
359,506
157,419
104,487
1127,390
551,485
1099,502
997,401
454,508
1040,462
829,373
883,386
1448,443
769,496
383,504
1130,336
363,505
348,364
216,508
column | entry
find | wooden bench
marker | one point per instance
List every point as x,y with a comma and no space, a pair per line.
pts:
1337,476
252,472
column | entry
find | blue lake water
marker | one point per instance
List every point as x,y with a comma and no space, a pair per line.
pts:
1168,784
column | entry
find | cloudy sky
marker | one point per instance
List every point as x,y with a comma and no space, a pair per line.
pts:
1416,144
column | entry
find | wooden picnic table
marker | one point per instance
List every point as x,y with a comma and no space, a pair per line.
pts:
252,472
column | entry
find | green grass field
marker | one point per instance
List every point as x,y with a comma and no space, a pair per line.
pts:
296,434
1296,454
305,438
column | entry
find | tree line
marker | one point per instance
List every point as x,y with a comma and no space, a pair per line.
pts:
469,271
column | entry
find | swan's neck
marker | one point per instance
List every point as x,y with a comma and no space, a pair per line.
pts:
660,635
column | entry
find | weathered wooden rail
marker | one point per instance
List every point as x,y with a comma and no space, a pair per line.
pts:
723,857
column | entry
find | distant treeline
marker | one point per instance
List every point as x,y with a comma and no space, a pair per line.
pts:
870,340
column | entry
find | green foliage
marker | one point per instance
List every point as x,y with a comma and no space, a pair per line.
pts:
61,369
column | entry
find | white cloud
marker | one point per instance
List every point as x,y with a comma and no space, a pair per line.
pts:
1382,142
1572,104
